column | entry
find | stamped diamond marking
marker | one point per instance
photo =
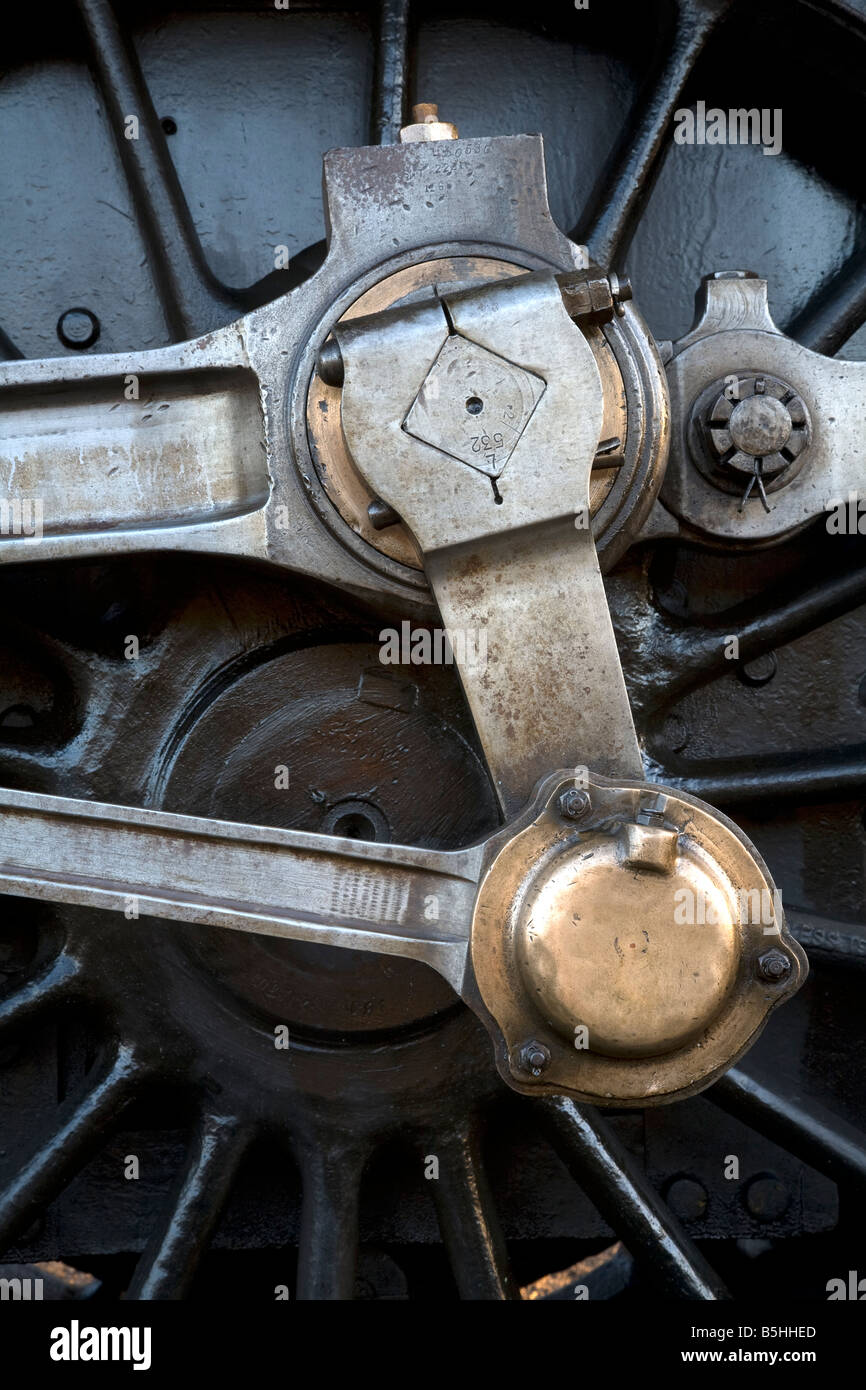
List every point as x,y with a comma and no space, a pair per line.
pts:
474,405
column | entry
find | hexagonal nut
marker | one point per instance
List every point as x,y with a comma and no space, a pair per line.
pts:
534,1057
774,966
574,803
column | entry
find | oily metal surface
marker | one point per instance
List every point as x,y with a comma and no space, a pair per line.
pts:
137,407
319,889
635,419
645,989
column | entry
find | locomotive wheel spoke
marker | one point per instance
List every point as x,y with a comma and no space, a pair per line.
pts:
169,1262
468,1220
55,985
619,1190
819,775
192,300
80,1133
608,224
671,658
800,1126
390,77
328,1243
835,311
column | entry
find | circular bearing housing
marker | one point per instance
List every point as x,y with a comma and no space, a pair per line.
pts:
624,485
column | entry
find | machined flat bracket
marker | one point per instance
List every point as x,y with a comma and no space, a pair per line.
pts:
474,405
515,562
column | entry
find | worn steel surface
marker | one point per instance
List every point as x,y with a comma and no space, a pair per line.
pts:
515,562
735,336
539,977
247,484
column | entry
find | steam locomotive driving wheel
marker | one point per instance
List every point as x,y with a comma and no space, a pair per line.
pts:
431,863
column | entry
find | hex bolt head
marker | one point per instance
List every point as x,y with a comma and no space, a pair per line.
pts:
534,1057
574,803
78,328
773,966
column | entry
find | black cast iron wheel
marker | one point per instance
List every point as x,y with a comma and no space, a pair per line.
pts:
311,1169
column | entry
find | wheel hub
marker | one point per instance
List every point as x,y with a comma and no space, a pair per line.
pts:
325,739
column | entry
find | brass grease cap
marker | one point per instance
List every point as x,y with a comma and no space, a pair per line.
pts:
643,959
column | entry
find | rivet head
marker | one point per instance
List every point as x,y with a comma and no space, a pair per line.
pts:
687,1198
766,1197
78,328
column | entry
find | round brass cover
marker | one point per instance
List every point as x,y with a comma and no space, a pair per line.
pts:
625,947
601,947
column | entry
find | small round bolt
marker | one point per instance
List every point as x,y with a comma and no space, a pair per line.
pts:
574,803
621,290
329,363
534,1057
773,966
687,1198
78,328
759,671
766,1197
